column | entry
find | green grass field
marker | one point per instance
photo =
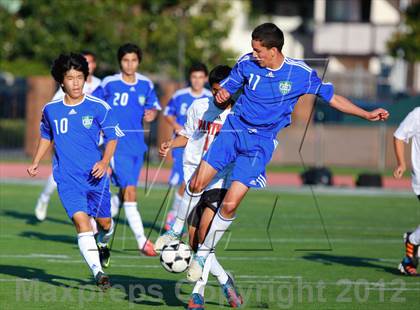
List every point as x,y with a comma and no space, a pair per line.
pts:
285,263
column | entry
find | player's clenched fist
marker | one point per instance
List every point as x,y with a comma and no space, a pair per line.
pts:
32,170
164,148
222,95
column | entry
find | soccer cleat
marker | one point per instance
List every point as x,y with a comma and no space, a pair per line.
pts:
41,210
163,240
196,302
195,270
104,255
410,249
406,267
102,280
231,293
170,220
148,249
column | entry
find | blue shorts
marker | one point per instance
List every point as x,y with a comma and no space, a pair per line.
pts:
126,169
249,149
95,201
177,173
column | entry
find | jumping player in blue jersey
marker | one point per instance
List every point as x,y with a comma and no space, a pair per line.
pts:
73,124
272,84
133,100
176,115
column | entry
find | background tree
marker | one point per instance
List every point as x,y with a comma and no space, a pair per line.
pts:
172,33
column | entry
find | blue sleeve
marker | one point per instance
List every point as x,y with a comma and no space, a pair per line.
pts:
99,93
108,123
317,87
45,127
170,109
235,79
152,101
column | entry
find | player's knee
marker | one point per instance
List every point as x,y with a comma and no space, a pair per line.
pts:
196,186
130,194
105,223
228,209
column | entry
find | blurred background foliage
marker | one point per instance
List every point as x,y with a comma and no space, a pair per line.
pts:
172,33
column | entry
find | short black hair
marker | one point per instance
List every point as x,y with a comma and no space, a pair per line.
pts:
88,52
269,35
66,62
198,67
219,73
128,48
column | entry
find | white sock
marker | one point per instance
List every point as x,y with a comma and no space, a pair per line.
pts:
105,235
135,222
217,229
187,204
200,285
176,202
415,236
94,225
49,189
89,251
217,270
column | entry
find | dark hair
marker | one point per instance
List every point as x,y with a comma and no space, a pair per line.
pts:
65,63
198,67
269,35
219,73
87,52
128,48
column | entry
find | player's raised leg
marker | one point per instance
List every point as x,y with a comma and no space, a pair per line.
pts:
193,191
221,222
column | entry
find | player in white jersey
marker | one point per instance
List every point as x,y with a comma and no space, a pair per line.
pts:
409,129
205,119
91,84
175,114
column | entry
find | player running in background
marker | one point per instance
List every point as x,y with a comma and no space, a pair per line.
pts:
175,114
73,125
409,129
92,82
133,100
272,84
204,120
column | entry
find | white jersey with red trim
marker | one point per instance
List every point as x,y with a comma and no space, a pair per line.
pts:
204,122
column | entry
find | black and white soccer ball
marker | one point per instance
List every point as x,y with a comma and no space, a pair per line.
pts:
175,256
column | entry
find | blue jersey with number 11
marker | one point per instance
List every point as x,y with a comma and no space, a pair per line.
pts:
269,95
129,102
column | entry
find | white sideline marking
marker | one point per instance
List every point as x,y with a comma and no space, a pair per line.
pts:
34,255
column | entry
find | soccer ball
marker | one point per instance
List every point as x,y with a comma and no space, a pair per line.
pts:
175,256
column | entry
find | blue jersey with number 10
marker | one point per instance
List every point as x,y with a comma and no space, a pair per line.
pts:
270,96
129,102
75,131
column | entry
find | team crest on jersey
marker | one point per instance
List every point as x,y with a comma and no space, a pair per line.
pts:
285,87
87,121
142,100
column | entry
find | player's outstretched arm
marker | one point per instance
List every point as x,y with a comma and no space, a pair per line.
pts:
101,167
346,106
399,154
43,146
150,115
179,141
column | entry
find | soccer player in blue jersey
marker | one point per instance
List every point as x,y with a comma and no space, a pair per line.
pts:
272,84
91,84
133,100
73,125
176,115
